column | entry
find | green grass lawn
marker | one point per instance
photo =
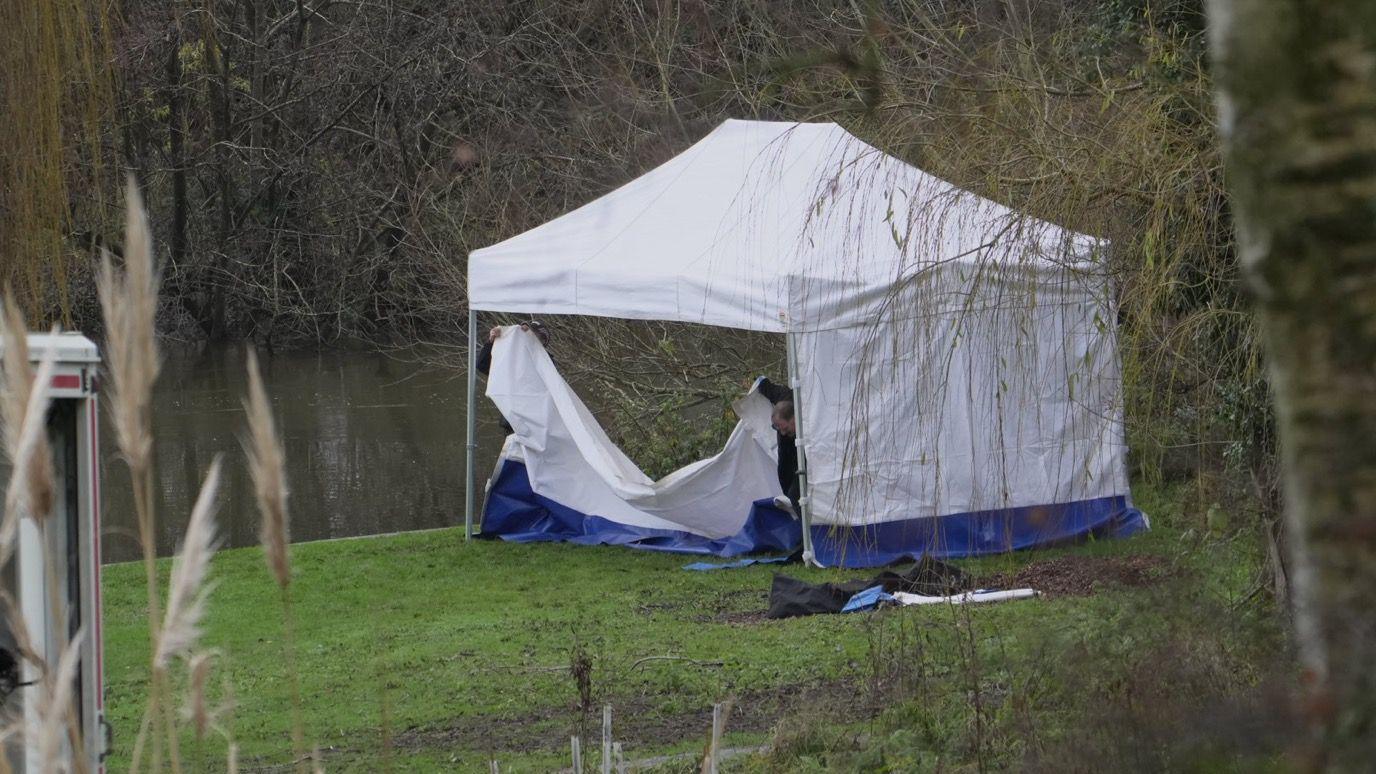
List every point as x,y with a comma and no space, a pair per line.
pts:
421,652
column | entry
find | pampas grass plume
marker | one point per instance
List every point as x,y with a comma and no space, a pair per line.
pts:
129,301
24,399
188,591
266,467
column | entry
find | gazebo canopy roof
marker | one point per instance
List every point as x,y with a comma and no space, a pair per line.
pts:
768,226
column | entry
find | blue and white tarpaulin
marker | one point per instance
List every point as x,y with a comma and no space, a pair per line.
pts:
957,365
515,513
569,458
560,478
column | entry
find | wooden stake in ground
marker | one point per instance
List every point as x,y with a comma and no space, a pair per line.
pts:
607,739
576,746
709,766
1297,110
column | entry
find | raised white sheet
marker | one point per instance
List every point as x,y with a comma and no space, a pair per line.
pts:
570,459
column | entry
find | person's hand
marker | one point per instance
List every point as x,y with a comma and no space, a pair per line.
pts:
525,327
495,333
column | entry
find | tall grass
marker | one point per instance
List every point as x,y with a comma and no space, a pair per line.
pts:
129,300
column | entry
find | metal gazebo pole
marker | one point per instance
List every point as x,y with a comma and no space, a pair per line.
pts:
472,422
804,493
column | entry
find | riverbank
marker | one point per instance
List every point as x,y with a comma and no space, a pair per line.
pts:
373,443
419,652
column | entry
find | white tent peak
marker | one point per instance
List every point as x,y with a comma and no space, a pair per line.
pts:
762,225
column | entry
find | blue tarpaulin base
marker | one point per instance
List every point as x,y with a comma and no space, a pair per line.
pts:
980,533
514,512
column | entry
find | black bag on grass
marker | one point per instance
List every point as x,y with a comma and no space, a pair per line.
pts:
790,597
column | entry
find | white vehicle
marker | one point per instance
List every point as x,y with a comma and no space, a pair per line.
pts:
55,573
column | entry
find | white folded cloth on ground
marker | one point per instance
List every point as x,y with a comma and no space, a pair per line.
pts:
905,598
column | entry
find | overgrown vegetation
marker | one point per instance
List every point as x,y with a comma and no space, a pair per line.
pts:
317,175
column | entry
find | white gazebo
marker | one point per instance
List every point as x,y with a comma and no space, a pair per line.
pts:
955,362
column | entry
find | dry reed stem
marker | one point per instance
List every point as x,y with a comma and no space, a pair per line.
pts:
23,643
24,412
19,631
189,590
265,464
17,378
136,757
268,471
198,674
187,595
222,720
55,708
25,396
7,733
31,492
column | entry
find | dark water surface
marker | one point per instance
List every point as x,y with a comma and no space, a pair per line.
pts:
373,444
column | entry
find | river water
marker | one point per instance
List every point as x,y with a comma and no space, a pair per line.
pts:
373,444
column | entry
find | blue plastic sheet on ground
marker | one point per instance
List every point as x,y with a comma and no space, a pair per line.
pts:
868,599
705,566
515,513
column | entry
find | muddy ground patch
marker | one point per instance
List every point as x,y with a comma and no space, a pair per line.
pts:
1078,576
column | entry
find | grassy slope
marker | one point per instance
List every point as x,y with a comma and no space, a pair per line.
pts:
457,650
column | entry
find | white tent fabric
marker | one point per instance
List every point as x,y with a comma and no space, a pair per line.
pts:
954,356
765,226
570,459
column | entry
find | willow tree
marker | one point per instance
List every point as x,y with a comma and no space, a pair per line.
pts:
1297,102
54,100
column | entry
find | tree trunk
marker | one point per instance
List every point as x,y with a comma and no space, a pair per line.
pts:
217,59
1297,102
175,137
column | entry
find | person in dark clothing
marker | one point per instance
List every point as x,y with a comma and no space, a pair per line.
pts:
484,363
786,426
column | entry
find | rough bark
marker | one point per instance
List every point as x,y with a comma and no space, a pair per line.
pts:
220,95
175,132
1297,96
